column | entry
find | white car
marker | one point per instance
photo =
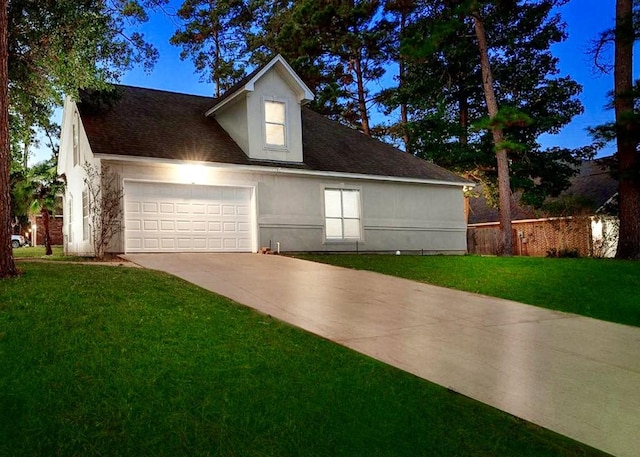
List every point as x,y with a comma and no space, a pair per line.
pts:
17,241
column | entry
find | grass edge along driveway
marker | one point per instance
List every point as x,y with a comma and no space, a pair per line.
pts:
604,289
103,360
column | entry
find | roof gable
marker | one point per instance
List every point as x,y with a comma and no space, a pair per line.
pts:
248,83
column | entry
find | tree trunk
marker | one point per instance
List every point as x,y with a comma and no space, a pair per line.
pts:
7,264
362,103
504,187
628,161
47,237
463,106
404,116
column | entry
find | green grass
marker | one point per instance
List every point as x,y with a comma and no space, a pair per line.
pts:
37,251
602,289
117,361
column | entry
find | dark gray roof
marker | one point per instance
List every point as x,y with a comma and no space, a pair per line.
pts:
593,186
593,183
152,123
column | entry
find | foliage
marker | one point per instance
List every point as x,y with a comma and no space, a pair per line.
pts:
626,128
124,361
46,187
56,47
602,289
447,118
211,35
563,253
104,203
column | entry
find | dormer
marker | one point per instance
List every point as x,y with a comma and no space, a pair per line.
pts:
262,113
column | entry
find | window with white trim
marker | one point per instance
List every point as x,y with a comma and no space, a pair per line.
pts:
275,128
76,139
70,220
342,215
85,215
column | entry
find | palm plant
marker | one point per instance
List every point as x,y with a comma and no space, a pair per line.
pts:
45,185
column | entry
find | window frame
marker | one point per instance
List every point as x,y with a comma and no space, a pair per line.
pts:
285,124
85,215
70,219
342,218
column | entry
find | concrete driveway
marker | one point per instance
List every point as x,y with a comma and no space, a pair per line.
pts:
577,376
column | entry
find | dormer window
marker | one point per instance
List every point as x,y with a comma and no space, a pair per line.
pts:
275,127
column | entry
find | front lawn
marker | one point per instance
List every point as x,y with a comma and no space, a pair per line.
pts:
36,251
101,360
602,289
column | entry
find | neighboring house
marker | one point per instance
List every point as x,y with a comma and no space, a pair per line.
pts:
56,225
251,169
580,219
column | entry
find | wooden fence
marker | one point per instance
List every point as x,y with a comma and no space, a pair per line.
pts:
534,237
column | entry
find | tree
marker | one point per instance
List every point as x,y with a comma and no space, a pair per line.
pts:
212,35
103,198
627,136
625,131
447,108
504,188
337,47
46,187
7,265
50,48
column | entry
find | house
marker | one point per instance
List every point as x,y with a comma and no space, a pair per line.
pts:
580,220
253,168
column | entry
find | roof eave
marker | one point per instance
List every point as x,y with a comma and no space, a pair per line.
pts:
286,170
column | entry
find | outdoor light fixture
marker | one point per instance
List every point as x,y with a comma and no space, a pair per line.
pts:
193,173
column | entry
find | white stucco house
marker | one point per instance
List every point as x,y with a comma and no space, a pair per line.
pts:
253,168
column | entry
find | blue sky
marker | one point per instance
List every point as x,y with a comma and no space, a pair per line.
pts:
585,19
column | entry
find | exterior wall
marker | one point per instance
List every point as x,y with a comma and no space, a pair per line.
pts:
289,208
535,238
56,226
75,174
244,119
233,118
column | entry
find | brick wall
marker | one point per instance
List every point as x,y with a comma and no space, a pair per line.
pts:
55,229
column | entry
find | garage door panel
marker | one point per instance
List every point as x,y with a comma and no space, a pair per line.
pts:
214,209
198,208
199,226
167,208
132,207
150,225
149,207
168,243
175,217
151,243
167,226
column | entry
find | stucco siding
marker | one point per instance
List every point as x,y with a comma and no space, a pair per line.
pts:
74,242
233,118
289,208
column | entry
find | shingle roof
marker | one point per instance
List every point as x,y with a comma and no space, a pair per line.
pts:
593,185
167,125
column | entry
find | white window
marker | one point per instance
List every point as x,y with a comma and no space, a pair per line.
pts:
342,214
85,215
70,220
275,123
76,139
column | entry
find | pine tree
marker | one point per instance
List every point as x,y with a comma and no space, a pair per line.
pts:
213,37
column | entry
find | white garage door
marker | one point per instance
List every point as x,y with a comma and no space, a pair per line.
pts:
162,217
